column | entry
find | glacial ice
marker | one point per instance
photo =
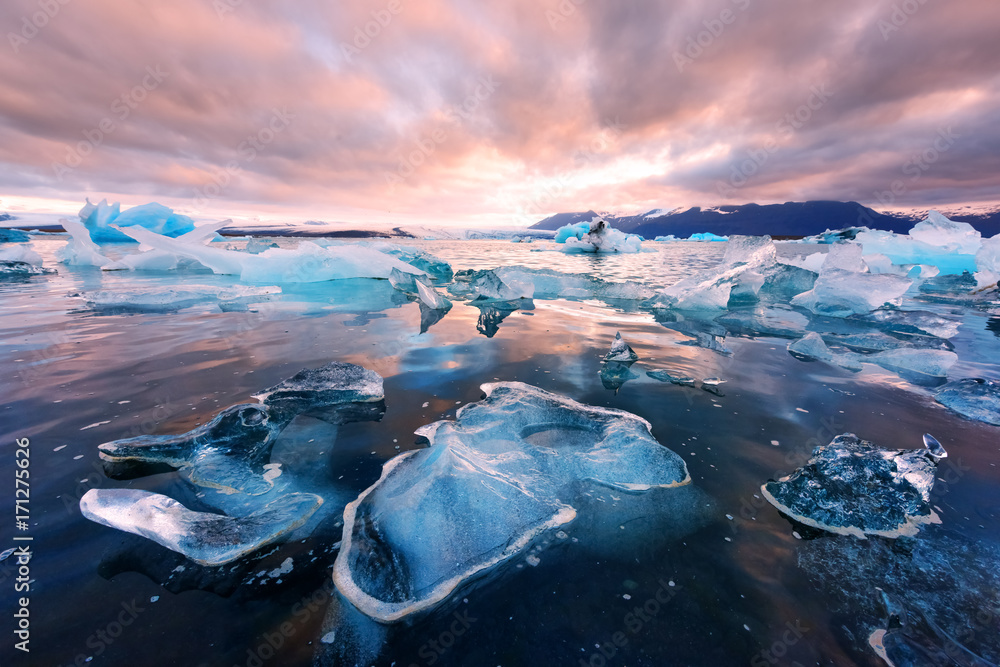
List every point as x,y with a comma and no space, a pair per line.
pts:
600,237
420,287
20,261
577,231
81,249
842,293
988,263
314,391
306,263
437,268
13,236
922,361
853,487
749,266
231,451
974,398
513,282
707,236
161,299
614,374
101,221
508,469
151,259
487,284
949,245
206,538
620,350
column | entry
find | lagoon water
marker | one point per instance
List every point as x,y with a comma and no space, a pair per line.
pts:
718,578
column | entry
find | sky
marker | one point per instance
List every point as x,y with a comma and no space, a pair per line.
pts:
496,113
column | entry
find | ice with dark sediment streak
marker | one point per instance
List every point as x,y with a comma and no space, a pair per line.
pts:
231,451
508,469
206,538
853,487
620,350
974,398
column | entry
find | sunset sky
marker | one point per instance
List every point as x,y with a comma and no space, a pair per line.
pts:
501,113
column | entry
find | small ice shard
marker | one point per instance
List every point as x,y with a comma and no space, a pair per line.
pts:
620,350
504,472
493,313
431,298
853,487
935,448
713,382
314,391
207,539
812,346
614,374
7,554
666,376
974,398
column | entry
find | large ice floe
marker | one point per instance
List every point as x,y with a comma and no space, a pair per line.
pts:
102,219
845,287
596,236
975,398
853,487
898,358
949,245
308,262
232,455
508,469
748,268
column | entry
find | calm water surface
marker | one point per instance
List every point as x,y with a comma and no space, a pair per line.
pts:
690,587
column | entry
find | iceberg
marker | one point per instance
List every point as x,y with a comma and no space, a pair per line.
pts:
506,471
707,236
937,241
577,231
13,236
102,219
600,237
988,263
206,538
149,259
853,487
620,350
973,398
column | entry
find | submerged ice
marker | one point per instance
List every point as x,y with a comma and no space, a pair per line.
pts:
975,398
853,487
509,468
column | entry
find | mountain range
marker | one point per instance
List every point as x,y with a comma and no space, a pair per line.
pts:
788,220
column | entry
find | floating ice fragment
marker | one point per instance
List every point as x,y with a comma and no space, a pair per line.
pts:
974,398
935,448
614,374
501,474
934,363
315,391
81,249
841,293
620,350
812,346
713,382
20,261
7,554
208,539
596,236
949,245
102,221
853,487
666,376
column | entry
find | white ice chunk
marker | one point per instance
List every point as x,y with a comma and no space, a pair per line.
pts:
620,350
81,249
840,293
601,237
208,539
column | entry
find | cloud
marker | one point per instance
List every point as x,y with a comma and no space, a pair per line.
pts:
458,110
